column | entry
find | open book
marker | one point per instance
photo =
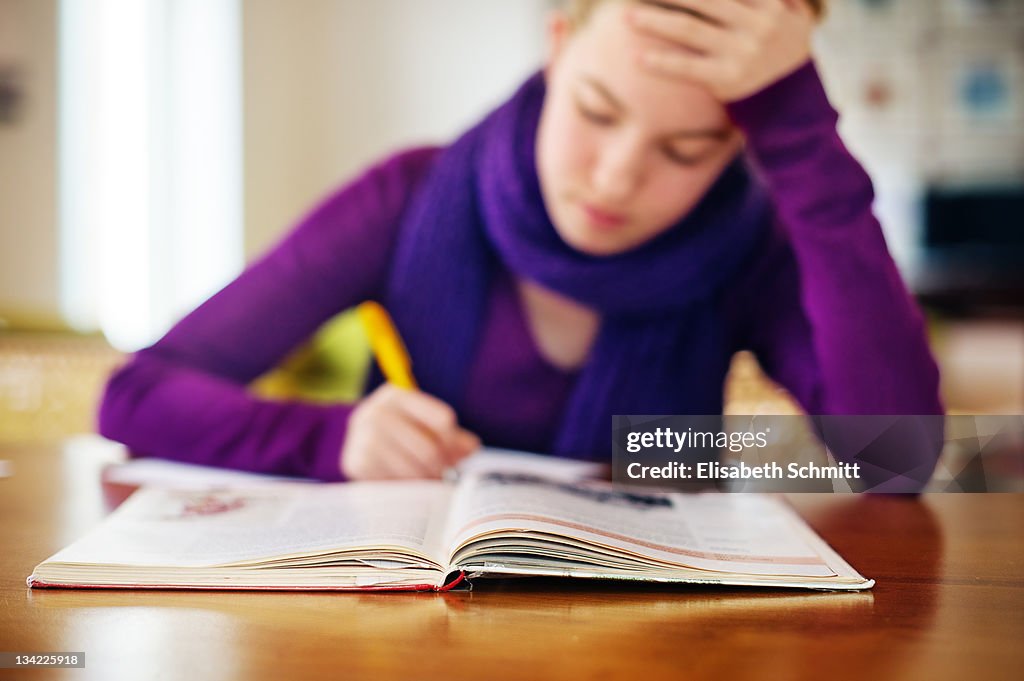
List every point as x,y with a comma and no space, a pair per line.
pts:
432,535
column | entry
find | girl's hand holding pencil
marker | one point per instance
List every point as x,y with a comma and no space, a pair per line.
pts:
398,431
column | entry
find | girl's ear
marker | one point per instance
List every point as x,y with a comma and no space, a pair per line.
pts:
558,33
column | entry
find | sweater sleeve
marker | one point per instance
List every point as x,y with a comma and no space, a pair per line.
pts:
186,397
826,311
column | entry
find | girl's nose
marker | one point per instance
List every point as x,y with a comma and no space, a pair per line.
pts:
618,172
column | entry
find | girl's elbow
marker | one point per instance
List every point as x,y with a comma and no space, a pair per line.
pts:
122,396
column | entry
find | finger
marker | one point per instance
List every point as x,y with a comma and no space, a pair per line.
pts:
419,443
400,468
801,7
465,444
677,64
384,463
418,448
724,13
402,462
469,441
430,413
766,8
679,28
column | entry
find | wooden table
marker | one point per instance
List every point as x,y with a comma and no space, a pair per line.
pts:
949,604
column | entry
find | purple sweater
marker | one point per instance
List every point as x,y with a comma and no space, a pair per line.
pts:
826,314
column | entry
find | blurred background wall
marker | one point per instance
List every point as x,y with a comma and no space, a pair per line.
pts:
931,93
29,288
332,85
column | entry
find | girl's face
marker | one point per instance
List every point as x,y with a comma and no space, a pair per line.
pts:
622,154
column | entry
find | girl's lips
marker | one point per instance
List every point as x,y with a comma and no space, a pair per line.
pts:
603,218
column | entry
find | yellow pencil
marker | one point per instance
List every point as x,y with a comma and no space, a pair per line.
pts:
388,348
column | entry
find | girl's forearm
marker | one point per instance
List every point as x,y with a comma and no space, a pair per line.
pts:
868,336
162,410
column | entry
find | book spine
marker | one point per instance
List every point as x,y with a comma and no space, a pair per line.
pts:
40,584
452,582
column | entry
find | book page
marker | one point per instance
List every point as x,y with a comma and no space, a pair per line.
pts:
164,473
168,527
737,533
490,459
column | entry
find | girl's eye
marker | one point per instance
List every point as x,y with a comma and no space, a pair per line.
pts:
678,158
595,117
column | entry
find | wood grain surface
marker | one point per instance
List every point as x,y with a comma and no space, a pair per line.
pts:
949,604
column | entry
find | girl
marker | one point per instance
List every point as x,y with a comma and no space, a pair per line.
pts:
670,190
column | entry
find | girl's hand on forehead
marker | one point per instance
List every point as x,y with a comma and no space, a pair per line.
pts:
733,47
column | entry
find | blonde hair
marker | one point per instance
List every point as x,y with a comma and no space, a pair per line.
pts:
580,10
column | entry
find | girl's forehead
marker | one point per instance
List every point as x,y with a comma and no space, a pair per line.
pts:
605,51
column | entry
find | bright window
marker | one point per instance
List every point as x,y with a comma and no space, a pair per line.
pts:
151,161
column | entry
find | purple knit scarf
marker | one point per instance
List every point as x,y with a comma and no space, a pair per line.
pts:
659,349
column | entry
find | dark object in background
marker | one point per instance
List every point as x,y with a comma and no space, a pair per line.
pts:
973,249
976,224
10,94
